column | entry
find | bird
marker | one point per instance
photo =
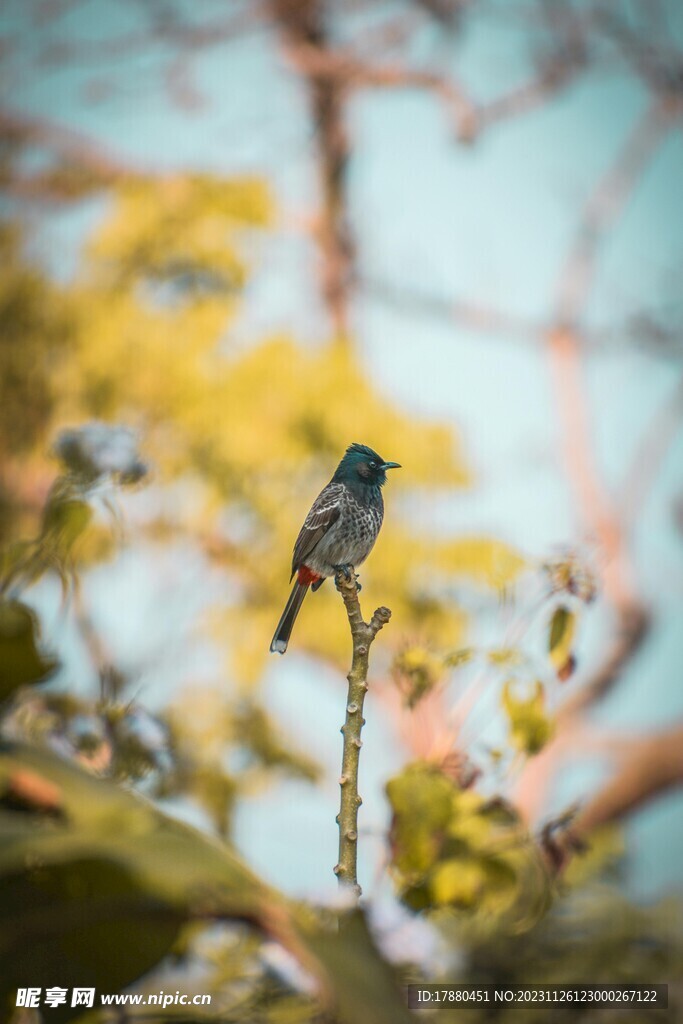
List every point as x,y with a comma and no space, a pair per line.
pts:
339,531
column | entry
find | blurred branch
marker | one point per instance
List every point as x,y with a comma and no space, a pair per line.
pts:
445,12
632,628
596,508
564,349
302,23
490,320
76,156
66,141
165,25
331,73
645,768
551,79
50,10
604,206
660,65
469,118
470,315
651,453
363,633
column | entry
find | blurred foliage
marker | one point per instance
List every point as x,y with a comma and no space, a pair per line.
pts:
94,865
467,862
221,749
530,727
36,333
21,662
591,933
96,885
416,671
453,847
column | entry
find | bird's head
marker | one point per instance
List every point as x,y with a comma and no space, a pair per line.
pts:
361,463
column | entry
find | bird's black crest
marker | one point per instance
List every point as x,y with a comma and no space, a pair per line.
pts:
364,452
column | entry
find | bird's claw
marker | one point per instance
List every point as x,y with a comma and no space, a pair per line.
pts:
346,571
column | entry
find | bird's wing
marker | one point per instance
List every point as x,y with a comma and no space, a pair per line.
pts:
324,512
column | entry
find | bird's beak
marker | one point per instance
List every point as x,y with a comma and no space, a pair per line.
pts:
390,465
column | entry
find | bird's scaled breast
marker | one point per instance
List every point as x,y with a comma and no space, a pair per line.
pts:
360,521
351,538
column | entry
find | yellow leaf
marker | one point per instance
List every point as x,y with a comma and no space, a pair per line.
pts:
457,881
530,727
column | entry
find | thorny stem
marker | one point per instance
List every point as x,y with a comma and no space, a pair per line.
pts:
362,633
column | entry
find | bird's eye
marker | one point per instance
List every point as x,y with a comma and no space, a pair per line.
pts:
372,465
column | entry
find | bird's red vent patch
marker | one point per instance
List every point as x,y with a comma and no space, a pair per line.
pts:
306,576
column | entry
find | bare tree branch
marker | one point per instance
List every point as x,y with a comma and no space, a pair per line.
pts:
302,23
650,455
363,633
604,206
645,768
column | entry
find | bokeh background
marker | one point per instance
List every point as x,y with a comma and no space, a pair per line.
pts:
254,232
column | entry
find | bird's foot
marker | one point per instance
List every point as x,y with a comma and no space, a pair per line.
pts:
347,571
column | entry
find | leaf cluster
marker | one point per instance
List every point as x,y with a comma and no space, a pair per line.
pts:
453,847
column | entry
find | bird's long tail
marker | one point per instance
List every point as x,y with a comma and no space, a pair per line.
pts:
284,628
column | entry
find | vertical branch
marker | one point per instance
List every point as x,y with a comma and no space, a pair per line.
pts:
362,633
303,25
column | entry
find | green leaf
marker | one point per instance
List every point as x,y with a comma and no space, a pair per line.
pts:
65,519
21,661
560,640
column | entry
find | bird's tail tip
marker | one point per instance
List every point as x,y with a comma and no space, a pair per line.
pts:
278,646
